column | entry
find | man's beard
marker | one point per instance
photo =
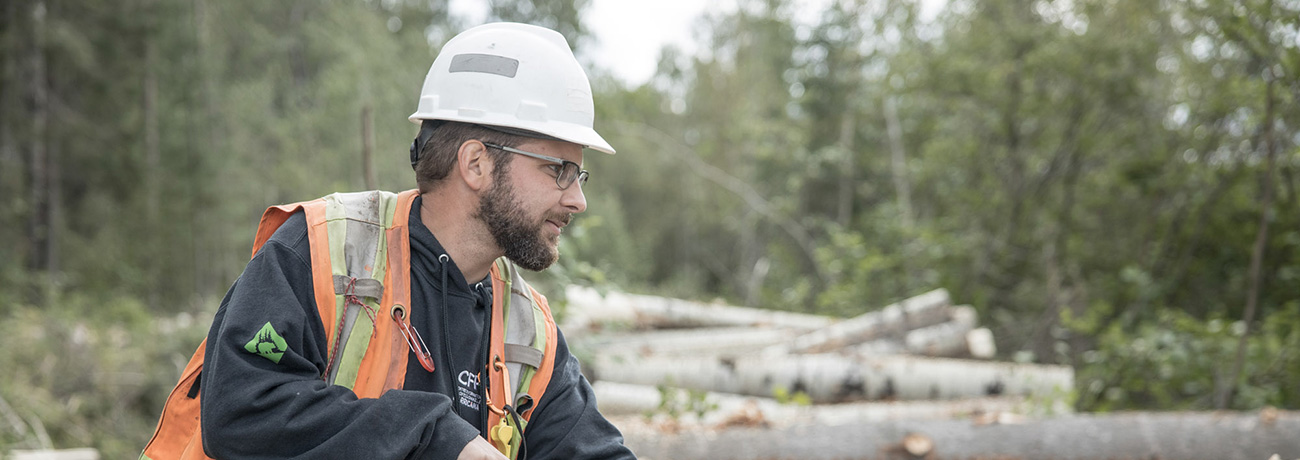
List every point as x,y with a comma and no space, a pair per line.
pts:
510,227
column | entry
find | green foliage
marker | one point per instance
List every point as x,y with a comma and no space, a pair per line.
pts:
783,395
90,372
1172,363
676,402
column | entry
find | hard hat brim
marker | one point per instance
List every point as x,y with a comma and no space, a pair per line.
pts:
567,132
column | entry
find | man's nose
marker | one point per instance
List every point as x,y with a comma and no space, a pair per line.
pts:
573,198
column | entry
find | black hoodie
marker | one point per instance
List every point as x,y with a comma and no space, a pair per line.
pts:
270,402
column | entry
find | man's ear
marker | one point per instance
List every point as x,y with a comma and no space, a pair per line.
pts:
474,164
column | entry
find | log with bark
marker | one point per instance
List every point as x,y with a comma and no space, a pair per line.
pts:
621,399
1175,435
892,321
828,378
944,339
952,338
956,338
587,306
700,341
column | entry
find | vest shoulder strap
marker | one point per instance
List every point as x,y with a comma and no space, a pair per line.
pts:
357,226
530,337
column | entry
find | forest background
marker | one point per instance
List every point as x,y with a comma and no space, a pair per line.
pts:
1112,184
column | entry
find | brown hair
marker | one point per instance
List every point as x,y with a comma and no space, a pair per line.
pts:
440,141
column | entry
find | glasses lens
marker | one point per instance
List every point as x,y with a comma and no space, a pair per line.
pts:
568,173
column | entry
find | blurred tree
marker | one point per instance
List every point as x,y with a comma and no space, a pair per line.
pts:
139,142
1259,33
564,17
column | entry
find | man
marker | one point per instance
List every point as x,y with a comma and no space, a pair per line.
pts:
505,113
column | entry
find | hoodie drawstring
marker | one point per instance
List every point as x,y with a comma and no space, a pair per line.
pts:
446,318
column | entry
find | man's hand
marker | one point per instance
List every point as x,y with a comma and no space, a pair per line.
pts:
480,449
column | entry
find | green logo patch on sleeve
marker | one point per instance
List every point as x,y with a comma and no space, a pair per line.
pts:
268,344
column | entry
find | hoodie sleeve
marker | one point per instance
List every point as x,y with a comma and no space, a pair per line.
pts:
566,424
262,395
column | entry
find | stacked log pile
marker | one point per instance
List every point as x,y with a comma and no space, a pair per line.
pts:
914,379
903,351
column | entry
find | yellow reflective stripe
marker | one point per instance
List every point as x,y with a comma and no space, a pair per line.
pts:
539,325
336,227
355,350
539,342
358,341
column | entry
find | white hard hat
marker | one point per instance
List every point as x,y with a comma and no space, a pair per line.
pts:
511,75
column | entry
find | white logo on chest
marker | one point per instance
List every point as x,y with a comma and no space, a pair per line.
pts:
468,390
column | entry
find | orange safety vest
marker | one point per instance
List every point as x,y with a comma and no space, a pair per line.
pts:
361,229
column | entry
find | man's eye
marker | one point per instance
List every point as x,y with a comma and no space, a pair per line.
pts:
555,169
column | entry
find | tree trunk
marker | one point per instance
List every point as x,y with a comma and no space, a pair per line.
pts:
898,163
1228,385
210,254
367,149
12,170
1060,294
848,180
153,172
892,321
40,222
1183,436
830,378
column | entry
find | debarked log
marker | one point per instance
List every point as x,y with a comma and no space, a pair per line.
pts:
699,341
944,339
893,320
622,399
829,378
588,306
1175,435
955,338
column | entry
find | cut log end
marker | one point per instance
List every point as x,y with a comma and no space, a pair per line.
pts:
917,444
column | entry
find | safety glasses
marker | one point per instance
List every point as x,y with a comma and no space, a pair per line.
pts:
566,172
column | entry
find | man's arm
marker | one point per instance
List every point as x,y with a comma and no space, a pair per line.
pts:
566,424
263,396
